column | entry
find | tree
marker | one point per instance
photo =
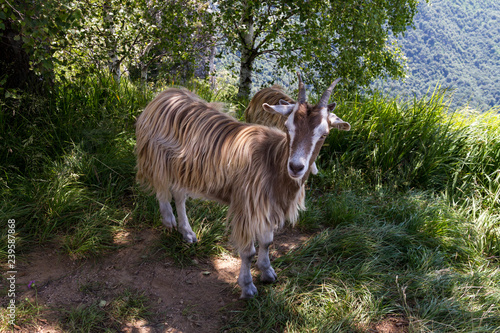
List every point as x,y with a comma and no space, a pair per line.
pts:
349,39
110,35
136,34
30,33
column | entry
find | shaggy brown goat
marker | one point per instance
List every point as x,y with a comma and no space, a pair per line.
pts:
186,146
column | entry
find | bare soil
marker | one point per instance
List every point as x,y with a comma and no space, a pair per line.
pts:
180,299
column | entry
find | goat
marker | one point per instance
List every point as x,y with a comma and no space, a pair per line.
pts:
274,95
186,146
255,113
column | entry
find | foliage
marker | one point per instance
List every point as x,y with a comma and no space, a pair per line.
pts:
454,44
70,38
138,34
31,31
346,39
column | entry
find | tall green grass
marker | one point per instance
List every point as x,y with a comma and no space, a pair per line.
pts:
68,164
419,144
405,143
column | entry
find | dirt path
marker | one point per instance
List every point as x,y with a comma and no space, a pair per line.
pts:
191,299
197,298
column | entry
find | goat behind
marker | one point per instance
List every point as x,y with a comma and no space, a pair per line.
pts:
274,95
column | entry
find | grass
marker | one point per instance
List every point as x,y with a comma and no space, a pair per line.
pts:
109,313
69,164
26,314
402,254
405,143
405,211
207,221
104,316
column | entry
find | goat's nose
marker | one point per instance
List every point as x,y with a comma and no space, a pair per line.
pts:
296,167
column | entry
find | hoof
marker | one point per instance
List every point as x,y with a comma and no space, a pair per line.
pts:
249,291
268,275
169,222
190,237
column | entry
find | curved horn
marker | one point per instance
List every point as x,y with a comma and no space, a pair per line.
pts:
326,95
302,90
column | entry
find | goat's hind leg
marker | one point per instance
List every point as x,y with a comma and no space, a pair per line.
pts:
183,223
268,274
167,214
168,217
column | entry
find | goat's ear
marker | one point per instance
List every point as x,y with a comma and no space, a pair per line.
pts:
331,107
283,102
336,122
283,110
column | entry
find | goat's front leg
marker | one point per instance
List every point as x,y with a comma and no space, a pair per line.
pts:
248,289
182,220
263,263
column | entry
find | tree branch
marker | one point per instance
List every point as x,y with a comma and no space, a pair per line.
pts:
275,27
20,14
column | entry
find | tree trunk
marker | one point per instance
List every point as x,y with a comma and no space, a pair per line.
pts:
247,54
143,63
114,66
114,62
144,73
211,66
246,68
14,61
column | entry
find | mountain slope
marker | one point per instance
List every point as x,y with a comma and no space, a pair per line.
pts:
455,43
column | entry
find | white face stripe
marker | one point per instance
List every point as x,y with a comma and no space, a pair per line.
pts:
290,124
289,121
303,153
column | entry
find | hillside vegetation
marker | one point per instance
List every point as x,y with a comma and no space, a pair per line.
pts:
404,213
455,44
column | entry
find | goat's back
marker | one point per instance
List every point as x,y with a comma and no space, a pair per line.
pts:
186,143
255,114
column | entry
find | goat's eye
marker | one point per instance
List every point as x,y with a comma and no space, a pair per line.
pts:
324,136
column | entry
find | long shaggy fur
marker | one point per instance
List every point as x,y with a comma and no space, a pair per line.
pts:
272,96
187,144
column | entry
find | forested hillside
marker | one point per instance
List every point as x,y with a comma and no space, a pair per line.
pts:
455,43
